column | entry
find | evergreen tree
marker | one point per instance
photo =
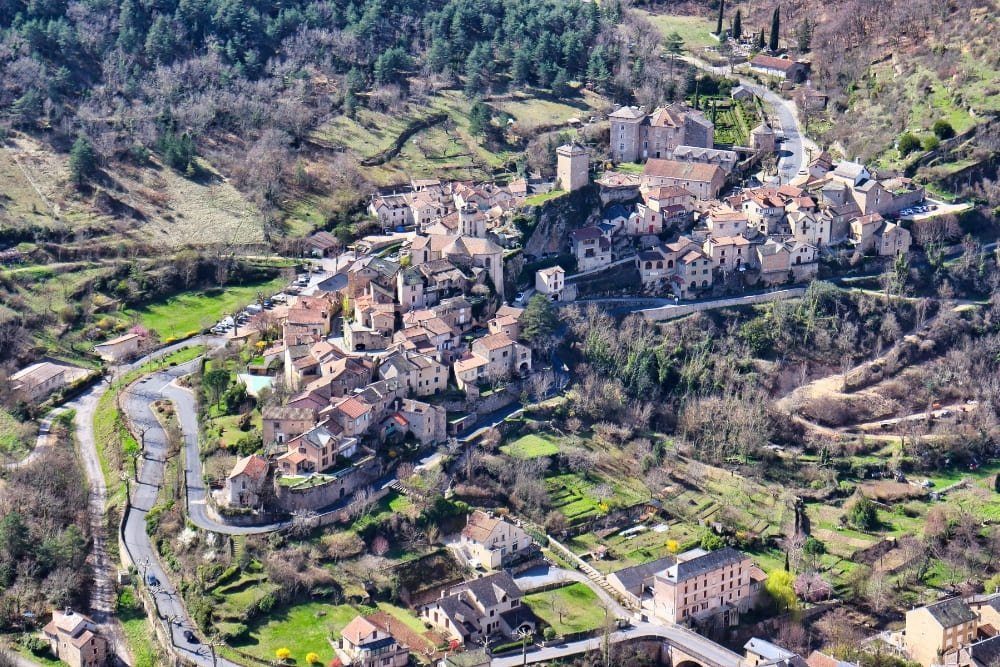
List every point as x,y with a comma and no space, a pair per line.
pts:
718,25
597,70
759,43
480,118
82,160
775,27
560,84
804,35
738,25
539,319
996,483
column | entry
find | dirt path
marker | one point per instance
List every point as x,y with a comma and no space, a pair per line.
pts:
102,600
831,386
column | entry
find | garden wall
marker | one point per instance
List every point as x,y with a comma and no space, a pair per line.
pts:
315,497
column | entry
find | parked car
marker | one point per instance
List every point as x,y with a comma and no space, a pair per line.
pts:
519,298
190,636
152,580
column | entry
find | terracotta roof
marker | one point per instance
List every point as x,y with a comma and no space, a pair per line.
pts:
692,256
771,62
495,341
666,192
688,171
358,630
353,408
253,466
438,327
400,419
293,456
552,270
510,310
468,362
727,216
480,526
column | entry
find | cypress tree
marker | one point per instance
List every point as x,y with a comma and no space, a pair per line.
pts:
775,25
996,483
718,25
738,25
759,42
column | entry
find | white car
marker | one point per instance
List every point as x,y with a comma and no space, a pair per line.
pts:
519,298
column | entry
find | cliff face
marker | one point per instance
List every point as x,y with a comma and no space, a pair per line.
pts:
557,217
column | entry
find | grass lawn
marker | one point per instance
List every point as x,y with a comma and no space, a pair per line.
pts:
694,30
195,311
530,447
11,445
139,638
581,608
300,630
405,616
538,200
45,659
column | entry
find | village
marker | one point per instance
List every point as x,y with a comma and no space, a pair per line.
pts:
421,337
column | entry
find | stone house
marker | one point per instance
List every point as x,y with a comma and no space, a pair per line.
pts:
636,136
245,482
764,209
491,540
470,370
420,374
74,639
507,320
726,222
352,415
703,180
479,254
505,356
939,628
281,423
322,244
428,423
479,608
872,232
392,210
702,585
591,249
806,227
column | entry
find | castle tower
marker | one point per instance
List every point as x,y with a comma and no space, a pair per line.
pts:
572,166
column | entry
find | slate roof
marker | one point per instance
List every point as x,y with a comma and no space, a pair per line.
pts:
489,590
713,560
629,113
951,612
631,578
986,652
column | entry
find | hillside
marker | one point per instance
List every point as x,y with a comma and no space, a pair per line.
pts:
889,68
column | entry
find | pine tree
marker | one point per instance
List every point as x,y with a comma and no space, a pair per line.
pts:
82,160
738,25
718,25
775,26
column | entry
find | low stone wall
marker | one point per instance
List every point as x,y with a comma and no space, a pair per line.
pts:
670,312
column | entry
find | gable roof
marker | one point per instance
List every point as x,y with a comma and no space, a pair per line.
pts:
495,341
699,564
358,630
770,62
631,578
253,466
585,234
352,407
480,526
951,612
489,590
686,171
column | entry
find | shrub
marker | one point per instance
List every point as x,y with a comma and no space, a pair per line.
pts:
36,645
942,129
549,633
931,142
908,142
312,658
282,653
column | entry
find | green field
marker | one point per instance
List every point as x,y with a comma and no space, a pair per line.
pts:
302,629
694,30
582,609
11,444
196,311
531,447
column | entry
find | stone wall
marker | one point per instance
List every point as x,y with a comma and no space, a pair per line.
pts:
670,312
290,499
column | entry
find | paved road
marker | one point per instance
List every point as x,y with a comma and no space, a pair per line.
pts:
793,155
692,643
